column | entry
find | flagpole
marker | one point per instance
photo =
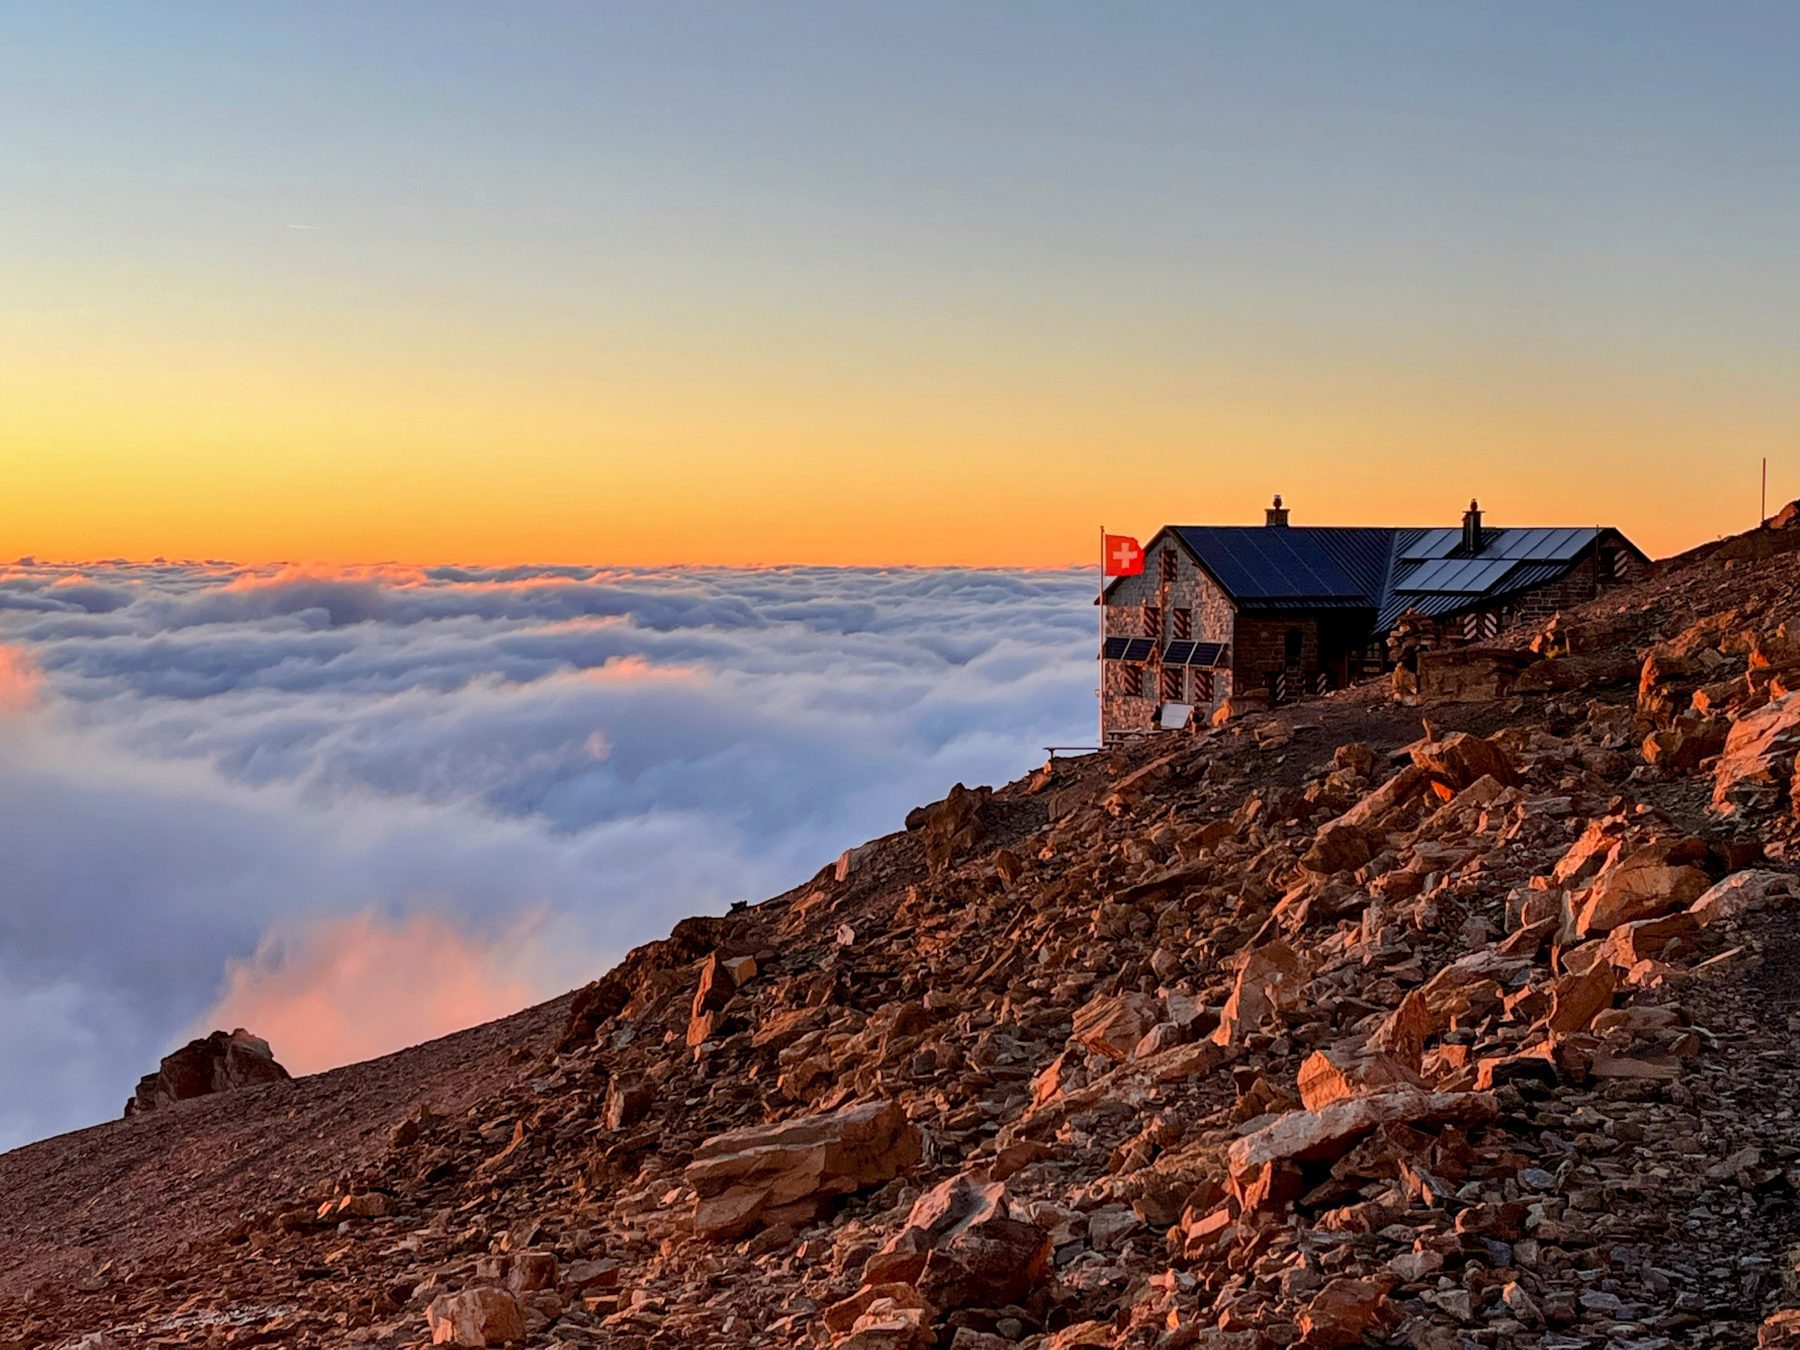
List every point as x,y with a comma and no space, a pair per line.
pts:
1100,663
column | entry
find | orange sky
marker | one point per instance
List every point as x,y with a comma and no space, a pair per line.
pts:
901,284
414,457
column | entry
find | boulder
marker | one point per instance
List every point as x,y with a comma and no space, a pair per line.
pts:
964,1245
1269,980
1742,892
952,826
1469,674
221,1062
475,1317
1345,1312
1113,1025
1330,1076
1643,884
1339,847
593,1006
795,1170
1460,759
1681,747
1315,1136
1754,768
1577,998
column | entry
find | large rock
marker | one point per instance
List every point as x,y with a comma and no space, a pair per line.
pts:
475,1317
1743,893
1757,763
1345,1312
1648,882
1458,760
1269,981
964,1246
1328,1133
1469,674
950,827
220,1062
795,1170
1682,746
1338,848
1113,1025
1330,1076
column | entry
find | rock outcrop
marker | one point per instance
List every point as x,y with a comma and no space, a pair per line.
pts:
221,1062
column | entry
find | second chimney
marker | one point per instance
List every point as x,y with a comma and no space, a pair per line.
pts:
1276,514
1472,528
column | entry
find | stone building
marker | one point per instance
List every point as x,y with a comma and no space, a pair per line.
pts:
1279,611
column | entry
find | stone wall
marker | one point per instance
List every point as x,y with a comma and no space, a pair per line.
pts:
1261,651
1145,606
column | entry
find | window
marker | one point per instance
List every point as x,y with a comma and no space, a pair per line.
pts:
1203,686
1184,623
1171,684
1165,566
1153,621
1291,647
1129,678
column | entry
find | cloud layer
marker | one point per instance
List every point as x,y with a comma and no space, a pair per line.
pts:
353,809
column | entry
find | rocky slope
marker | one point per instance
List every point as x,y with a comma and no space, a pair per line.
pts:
1446,1025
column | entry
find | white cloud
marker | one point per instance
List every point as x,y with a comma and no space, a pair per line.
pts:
217,786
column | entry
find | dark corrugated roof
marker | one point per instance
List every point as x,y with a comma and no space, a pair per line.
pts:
1272,569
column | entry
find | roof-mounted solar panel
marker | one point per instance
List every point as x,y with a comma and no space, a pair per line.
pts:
1467,576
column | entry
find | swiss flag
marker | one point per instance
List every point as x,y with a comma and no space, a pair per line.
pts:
1121,556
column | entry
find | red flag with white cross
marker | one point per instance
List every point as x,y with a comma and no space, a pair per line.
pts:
1121,556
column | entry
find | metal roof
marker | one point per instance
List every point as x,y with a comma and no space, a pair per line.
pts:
1431,606
1269,570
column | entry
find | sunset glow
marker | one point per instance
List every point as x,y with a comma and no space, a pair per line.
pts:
1156,273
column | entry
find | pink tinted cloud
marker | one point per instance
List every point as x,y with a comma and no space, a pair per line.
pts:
339,990
21,682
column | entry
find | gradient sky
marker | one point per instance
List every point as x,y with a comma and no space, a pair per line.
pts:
918,282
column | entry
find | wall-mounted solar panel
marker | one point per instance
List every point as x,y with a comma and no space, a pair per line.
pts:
1208,654
1114,650
1177,653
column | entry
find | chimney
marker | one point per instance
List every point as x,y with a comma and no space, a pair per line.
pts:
1276,514
1472,527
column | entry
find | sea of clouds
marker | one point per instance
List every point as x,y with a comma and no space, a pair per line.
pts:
354,809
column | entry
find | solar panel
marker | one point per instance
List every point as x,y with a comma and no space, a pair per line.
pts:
1208,654
1114,650
1468,576
1139,649
1558,544
1431,544
1258,563
1177,653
